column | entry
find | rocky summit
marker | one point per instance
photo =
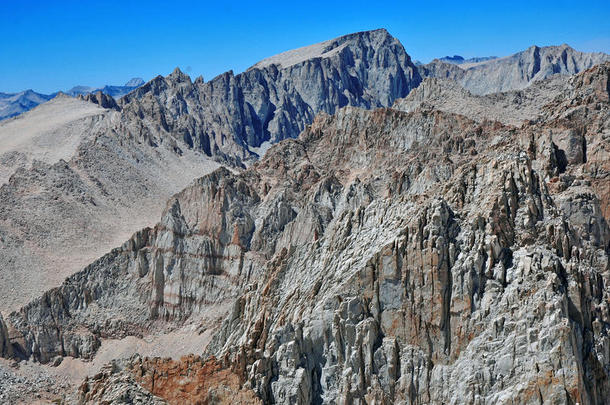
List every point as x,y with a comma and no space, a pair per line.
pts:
371,232
239,116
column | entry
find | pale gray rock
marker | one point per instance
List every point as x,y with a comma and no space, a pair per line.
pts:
373,259
80,186
515,72
477,296
124,160
511,107
381,257
102,99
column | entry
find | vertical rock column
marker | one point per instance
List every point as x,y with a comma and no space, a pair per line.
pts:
6,349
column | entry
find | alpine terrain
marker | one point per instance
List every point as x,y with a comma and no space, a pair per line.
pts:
334,225
13,104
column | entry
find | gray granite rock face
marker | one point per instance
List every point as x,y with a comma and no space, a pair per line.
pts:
376,258
233,115
517,71
101,99
488,290
510,107
382,256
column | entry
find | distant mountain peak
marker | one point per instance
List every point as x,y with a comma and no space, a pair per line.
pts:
135,82
513,72
454,59
459,60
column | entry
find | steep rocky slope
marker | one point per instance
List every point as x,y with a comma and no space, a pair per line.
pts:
164,132
95,178
511,107
386,256
75,184
463,280
515,72
234,115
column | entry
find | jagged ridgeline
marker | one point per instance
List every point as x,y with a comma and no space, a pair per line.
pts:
448,247
233,115
123,161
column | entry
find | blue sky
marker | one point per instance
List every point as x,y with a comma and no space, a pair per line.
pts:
52,45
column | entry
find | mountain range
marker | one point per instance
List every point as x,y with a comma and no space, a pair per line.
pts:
114,91
12,104
459,60
516,71
336,224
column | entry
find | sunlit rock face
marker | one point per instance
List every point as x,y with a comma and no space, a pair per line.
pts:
231,116
383,256
517,71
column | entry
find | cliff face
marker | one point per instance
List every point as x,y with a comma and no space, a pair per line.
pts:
108,172
517,71
100,176
233,115
462,279
386,256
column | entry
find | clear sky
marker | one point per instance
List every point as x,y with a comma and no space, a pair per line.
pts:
53,45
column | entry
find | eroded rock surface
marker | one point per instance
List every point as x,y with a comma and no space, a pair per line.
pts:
233,115
511,107
515,72
492,288
63,206
382,256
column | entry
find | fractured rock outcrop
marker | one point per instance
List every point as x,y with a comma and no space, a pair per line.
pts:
233,115
382,256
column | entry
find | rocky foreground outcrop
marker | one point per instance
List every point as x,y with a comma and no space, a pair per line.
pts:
383,256
152,381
